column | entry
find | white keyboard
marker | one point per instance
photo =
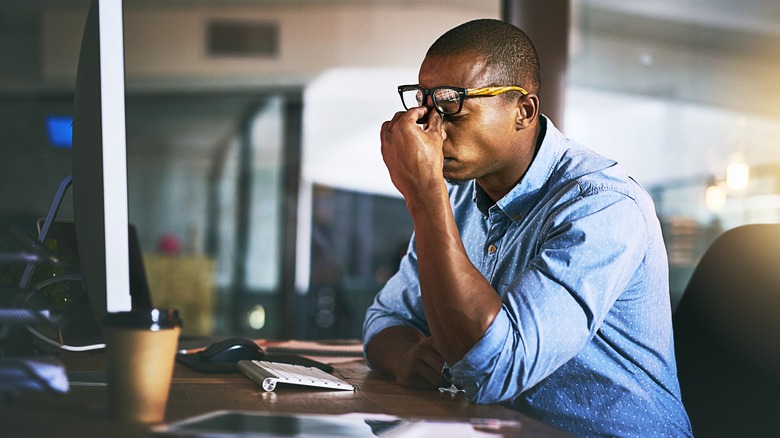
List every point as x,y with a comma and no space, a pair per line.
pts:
268,374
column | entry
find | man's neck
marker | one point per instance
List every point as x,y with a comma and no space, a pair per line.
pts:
498,191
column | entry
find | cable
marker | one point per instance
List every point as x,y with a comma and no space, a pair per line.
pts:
48,340
59,345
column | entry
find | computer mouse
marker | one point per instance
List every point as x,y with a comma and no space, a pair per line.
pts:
231,350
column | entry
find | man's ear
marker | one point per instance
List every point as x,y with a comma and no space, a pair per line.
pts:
527,110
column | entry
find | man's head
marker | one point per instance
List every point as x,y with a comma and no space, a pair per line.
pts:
492,137
508,52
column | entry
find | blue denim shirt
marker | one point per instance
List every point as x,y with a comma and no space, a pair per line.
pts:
583,340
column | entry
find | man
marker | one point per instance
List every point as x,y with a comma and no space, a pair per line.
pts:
536,276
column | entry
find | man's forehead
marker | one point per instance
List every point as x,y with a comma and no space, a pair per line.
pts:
463,70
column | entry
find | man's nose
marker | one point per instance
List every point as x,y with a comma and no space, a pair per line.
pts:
428,102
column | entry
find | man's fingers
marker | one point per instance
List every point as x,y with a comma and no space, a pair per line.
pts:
423,367
424,377
404,117
434,122
433,364
416,114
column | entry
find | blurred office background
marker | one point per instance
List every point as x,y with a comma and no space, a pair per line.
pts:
255,178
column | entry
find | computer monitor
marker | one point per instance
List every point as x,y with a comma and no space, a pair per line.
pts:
100,200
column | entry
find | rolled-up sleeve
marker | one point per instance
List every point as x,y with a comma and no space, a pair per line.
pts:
470,372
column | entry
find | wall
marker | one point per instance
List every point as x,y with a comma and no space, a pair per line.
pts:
166,46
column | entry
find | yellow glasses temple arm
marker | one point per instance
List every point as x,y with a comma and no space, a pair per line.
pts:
492,91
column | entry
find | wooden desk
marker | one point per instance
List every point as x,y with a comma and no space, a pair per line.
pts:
84,410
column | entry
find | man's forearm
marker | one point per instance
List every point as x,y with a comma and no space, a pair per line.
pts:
459,303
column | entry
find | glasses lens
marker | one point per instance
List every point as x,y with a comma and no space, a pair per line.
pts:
412,97
447,100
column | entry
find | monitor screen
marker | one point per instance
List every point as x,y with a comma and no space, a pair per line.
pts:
60,131
100,200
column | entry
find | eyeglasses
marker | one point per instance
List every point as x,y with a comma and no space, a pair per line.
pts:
448,100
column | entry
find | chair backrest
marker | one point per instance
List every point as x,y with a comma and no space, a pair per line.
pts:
727,335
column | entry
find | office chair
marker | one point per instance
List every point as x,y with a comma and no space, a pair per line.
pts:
727,336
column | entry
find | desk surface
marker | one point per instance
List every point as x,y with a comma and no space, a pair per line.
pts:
83,411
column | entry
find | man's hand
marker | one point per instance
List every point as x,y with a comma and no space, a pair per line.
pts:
421,366
413,153
408,356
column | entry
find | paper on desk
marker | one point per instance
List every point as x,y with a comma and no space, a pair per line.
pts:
427,429
330,352
420,428
450,429
332,360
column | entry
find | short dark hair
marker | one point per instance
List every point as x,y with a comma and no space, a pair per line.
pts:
509,53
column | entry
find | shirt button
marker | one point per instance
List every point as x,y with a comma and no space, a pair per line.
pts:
516,217
492,249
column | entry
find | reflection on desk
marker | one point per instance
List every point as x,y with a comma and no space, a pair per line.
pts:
84,410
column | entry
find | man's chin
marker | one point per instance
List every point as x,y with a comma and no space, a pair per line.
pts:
455,180
451,173
452,177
